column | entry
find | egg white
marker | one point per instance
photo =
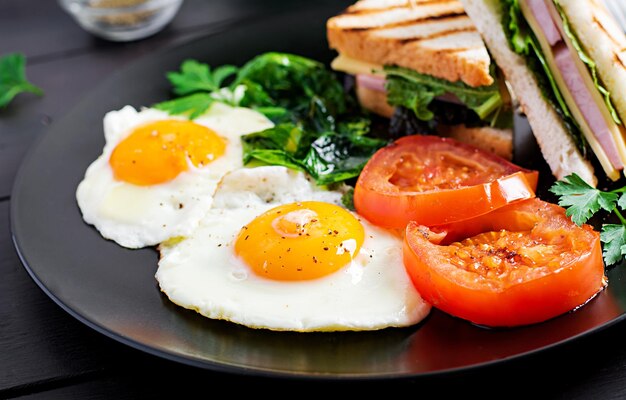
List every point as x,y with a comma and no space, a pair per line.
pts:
137,216
203,273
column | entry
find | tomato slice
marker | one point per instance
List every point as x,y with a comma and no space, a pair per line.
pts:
521,264
434,180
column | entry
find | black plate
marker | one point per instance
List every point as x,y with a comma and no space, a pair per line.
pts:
113,289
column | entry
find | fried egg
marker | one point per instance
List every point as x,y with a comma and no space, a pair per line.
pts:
277,252
157,173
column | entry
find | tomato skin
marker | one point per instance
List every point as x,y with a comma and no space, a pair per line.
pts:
391,206
487,301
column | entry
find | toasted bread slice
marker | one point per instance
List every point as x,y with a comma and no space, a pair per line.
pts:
498,141
604,41
433,37
556,144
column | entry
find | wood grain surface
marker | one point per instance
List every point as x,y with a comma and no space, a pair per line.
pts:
46,354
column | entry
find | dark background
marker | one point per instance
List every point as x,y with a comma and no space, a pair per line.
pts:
45,353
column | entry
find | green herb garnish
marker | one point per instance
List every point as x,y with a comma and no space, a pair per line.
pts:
582,201
13,78
200,87
195,77
193,105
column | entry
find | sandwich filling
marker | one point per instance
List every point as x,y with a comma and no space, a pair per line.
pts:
429,100
540,29
423,60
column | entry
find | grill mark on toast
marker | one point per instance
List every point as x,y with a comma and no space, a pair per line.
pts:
441,18
619,60
409,5
457,50
616,55
603,29
406,23
435,35
367,11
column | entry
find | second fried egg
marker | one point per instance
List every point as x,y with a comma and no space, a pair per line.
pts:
276,252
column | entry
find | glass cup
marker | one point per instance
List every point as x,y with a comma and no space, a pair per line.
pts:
122,20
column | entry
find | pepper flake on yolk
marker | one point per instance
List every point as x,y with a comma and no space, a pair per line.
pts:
158,151
300,241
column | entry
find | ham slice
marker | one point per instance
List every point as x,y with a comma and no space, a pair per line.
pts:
373,82
574,81
542,15
584,100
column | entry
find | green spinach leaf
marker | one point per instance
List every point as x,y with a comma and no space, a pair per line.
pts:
337,157
311,93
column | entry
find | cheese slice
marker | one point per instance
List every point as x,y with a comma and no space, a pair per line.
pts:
353,66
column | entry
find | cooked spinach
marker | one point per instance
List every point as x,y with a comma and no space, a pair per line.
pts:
319,127
335,157
304,87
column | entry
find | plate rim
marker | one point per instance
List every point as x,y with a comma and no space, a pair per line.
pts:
212,365
261,372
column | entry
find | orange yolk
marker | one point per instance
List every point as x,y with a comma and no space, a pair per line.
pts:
158,151
300,241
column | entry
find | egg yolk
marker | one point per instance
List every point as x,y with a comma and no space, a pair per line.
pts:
158,151
300,241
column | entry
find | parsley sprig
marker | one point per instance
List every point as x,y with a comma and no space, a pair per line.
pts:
13,78
582,201
196,77
199,86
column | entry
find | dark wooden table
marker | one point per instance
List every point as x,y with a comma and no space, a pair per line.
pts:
46,353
